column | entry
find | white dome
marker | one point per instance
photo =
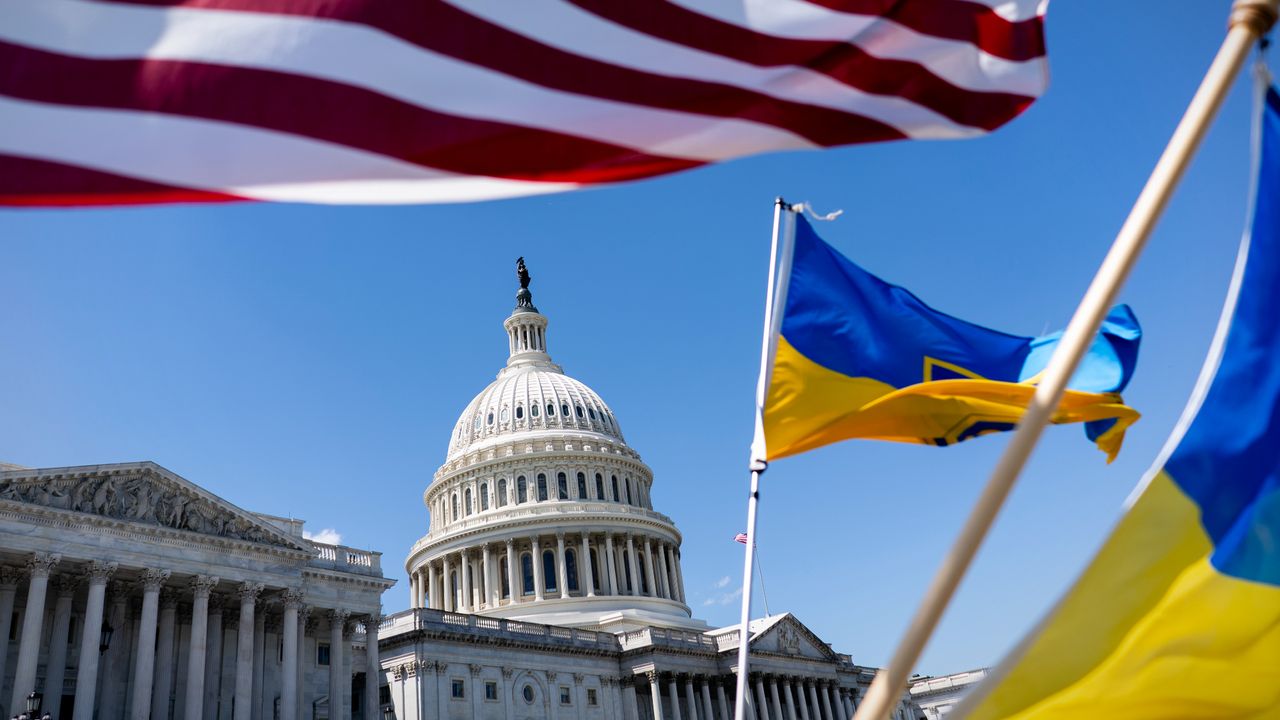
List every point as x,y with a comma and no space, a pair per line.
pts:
531,399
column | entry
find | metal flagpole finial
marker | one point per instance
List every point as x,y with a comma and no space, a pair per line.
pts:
1258,15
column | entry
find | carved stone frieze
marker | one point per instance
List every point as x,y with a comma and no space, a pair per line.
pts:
144,498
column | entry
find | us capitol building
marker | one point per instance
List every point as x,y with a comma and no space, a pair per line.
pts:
547,587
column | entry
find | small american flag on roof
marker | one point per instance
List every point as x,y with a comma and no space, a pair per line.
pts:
740,537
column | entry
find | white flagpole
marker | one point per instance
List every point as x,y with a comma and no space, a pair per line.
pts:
1250,19
784,229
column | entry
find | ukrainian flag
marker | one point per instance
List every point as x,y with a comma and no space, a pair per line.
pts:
1179,614
860,358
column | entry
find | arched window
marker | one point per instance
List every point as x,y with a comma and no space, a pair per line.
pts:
466,498
644,577
484,496
629,491
519,412
533,410
502,492
551,409
490,418
615,487
455,506
592,412
522,490
564,409
626,567
506,581
578,409
453,586
595,570
526,569
582,486
562,486
542,487
599,486
549,571
571,569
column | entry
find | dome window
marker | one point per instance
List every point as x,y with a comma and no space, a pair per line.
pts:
527,692
592,412
490,418
506,414
477,422
551,410
519,412
533,410
579,409
564,409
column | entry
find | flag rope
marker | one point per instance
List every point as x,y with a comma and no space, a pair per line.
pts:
1249,20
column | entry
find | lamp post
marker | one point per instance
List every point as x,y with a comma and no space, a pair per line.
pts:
104,643
388,712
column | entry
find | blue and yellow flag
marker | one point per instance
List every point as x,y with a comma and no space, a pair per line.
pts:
1179,613
860,358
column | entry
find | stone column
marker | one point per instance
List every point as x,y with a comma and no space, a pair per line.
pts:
9,578
145,652
585,564
197,646
55,672
539,584
447,593
241,706
612,585
433,595
39,566
259,663
656,691
373,666
633,565
675,555
649,577
631,704
708,713
690,698
762,702
722,701
824,695
492,590
163,684
664,580
337,619
775,707
213,658
788,689
673,690
289,666
515,581
800,699
562,570
98,573
809,685
467,595
669,557
304,624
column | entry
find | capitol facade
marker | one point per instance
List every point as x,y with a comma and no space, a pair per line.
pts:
546,587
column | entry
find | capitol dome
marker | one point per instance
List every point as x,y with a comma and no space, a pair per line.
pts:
540,487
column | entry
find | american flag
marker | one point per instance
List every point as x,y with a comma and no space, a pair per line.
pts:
413,101
740,537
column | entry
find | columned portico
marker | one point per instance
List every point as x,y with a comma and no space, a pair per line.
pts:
144,662
39,566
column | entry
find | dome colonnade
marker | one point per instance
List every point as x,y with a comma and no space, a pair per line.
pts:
541,510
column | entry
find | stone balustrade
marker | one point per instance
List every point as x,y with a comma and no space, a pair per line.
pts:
347,559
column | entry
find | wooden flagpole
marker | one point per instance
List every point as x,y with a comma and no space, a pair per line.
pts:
1249,20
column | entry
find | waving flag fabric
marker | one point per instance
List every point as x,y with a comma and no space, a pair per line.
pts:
1179,613
860,358
394,101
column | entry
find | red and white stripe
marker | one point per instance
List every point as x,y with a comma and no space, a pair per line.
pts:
386,101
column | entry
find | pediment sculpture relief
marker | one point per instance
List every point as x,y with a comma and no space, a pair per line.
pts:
138,498
788,640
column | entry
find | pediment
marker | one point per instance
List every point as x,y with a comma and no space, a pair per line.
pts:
785,635
143,493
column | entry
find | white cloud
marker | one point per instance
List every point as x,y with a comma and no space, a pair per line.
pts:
723,598
722,582
328,536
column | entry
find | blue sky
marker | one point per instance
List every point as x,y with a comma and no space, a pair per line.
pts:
311,361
